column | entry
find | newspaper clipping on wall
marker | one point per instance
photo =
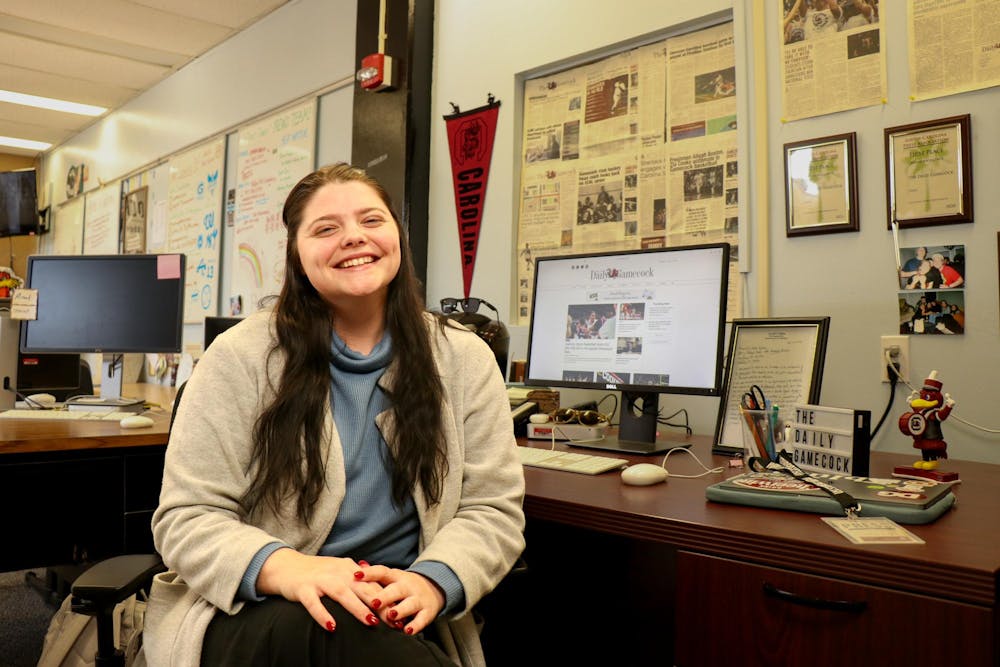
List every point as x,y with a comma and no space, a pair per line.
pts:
954,46
831,57
637,150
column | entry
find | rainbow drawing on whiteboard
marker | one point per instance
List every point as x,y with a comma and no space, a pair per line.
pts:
249,256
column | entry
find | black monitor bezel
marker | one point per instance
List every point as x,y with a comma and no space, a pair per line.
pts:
178,332
715,390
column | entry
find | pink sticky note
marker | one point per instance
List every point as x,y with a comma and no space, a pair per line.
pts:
168,267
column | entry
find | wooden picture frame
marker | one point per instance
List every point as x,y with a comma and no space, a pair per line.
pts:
821,185
784,356
928,172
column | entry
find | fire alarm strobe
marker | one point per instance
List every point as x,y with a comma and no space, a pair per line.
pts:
376,72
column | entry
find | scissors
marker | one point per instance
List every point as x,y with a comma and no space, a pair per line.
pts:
754,399
759,425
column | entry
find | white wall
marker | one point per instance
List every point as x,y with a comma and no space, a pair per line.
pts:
481,47
299,48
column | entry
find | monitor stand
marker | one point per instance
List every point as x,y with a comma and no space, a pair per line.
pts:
110,400
636,432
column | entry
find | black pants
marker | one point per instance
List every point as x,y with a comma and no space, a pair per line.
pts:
277,632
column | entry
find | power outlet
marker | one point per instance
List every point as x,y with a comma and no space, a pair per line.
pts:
902,358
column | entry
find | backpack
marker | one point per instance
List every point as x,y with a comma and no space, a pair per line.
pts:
71,640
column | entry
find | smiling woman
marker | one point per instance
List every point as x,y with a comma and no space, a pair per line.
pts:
364,421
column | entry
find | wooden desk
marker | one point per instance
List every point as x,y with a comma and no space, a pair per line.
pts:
77,490
660,575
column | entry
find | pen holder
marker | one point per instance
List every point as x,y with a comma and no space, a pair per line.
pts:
758,434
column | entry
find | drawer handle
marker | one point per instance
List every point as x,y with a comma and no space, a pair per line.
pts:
772,591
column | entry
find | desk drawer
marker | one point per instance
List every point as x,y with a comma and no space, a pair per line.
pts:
767,616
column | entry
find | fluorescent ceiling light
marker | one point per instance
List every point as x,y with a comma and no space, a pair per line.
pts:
23,143
50,103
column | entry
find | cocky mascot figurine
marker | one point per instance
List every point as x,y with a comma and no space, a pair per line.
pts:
923,424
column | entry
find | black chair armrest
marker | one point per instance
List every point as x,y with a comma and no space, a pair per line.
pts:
111,581
100,588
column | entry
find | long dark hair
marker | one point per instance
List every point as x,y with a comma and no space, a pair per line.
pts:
288,433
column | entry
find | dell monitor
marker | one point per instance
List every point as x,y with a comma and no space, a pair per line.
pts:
110,304
642,322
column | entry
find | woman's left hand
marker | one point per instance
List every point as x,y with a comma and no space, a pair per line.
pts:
405,595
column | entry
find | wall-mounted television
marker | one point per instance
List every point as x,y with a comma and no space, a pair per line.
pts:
19,203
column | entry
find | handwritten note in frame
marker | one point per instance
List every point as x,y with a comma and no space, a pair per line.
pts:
783,356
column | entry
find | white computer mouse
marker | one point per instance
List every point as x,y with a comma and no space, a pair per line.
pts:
538,418
644,474
40,399
136,421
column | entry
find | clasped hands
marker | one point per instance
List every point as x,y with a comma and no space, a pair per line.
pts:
403,600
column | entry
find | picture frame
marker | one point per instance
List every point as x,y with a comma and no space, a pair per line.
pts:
928,172
821,185
783,356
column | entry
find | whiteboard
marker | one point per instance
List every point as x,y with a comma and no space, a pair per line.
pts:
274,154
193,226
100,220
67,229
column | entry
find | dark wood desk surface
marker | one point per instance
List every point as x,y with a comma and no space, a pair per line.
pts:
960,560
32,436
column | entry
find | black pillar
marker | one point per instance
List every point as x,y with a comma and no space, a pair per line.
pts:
391,131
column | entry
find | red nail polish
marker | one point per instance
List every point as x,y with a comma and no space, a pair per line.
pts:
408,630
330,626
363,563
397,624
359,575
393,614
376,603
372,620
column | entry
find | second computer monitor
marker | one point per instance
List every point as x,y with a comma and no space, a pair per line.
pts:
641,322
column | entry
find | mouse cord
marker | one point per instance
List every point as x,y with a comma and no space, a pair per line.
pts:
568,438
30,403
708,470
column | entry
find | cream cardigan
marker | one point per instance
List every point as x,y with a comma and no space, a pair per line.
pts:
476,528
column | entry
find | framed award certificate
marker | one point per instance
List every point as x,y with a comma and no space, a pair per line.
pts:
928,170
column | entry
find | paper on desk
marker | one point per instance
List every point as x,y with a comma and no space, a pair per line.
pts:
518,392
874,530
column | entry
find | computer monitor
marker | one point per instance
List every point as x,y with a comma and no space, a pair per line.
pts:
216,325
56,374
109,304
641,322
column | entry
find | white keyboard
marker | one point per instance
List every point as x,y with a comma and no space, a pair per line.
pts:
568,461
59,415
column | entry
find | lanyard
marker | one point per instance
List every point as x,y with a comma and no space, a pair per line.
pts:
784,464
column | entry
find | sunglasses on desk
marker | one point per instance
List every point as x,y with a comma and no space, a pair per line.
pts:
451,305
585,417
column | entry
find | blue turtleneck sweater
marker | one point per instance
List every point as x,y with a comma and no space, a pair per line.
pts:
369,525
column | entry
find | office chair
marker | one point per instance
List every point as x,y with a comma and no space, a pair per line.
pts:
97,590
100,588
